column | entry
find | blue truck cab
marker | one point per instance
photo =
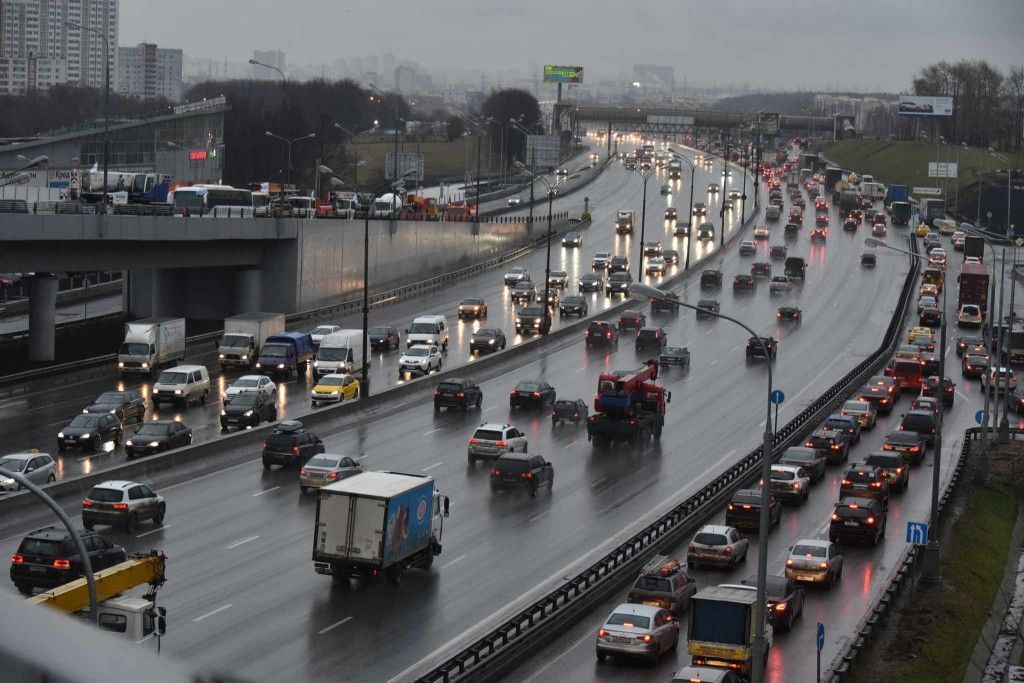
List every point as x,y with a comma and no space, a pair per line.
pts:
286,354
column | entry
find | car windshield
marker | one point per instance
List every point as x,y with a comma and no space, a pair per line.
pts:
323,330
601,254
102,495
860,476
40,547
903,438
154,429
883,460
783,475
417,352
631,620
379,331
234,341
516,271
653,583
111,397
332,353
13,464
917,423
324,461
244,383
422,328
85,421
809,550
475,302
558,273
276,351
244,400
134,349
172,378
487,332
855,407
837,423
705,538
487,435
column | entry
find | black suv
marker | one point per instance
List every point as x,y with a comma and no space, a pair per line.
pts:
761,269
710,278
865,481
857,519
487,340
664,583
383,338
157,436
532,393
651,338
248,409
48,558
618,264
744,510
591,282
527,471
920,421
832,443
572,305
533,319
910,445
895,467
290,445
457,393
632,320
668,303
930,387
569,410
600,333
754,349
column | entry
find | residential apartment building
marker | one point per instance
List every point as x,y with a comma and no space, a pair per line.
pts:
147,72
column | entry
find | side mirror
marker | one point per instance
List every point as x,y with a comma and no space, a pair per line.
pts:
668,397
161,621
29,469
446,506
791,548
407,331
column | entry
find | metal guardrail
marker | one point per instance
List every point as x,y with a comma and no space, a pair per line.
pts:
903,576
500,650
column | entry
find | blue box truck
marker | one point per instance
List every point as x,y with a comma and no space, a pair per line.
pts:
378,524
286,354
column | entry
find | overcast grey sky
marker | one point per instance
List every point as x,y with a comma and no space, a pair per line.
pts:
765,43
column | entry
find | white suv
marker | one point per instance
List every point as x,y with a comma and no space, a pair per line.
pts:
419,359
491,440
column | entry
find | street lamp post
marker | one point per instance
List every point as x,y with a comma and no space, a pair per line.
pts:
546,325
289,143
760,643
1009,183
931,570
256,62
689,215
722,190
982,473
106,103
646,174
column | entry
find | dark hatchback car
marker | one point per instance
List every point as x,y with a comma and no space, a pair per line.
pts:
857,519
522,471
920,421
533,393
651,338
785,600
744,510
573,305
248,409
973,367
457,393
707,307
757,346
290,445
573,410
812,462
894,466
156,437
618,283
868,260
600,333
383,338
910,445
663,583
761,269
744,283
533,320
833,444
486,340
881,391
632,320
90,432
47,558
711,278
931,387
127,405
590,282
931,317
618,264
865,481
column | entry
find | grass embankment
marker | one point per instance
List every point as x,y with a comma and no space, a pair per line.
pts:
440,159
933,636
906,163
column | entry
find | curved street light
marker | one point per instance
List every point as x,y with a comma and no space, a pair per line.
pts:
290,142
760,644
546,327
689,215
646,174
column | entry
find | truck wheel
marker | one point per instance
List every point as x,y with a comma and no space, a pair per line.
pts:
394,573
266,465
202,399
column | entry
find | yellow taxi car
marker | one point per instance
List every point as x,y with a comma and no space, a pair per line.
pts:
919,333
922,229
335,388
928,290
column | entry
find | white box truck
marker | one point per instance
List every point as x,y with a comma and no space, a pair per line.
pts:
378,524
340,352
872,190
772,213
244,336
151,344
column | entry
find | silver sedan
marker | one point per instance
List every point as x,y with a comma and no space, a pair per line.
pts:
327,468
637,631
815,561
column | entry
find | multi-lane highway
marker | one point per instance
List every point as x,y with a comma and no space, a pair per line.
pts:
241,588
33,420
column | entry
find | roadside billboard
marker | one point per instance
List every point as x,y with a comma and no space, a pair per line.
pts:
942,169
542,151
563,74
925,105
769,121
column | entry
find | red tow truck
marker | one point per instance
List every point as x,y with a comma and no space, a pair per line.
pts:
628,406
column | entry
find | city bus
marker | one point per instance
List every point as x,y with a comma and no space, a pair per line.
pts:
215,201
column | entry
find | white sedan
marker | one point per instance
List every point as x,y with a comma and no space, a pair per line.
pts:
780,283
655,265
419,359
260,384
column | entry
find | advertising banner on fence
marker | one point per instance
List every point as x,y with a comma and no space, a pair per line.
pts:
924,105
563,74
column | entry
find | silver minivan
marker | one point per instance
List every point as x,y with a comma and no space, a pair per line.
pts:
182,385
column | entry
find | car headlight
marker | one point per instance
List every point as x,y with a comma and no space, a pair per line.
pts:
120,365
154,444
60,435
220,356
128,442
145,366
6,482
518,320
316,364
490,341
85,436
245,357
85,411
408,341
248,413
223,413
177,392
280,366
112,412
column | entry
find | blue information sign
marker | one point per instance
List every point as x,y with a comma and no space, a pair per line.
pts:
777,397
979,416
821,636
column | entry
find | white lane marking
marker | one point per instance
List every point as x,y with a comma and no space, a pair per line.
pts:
963,395
430,467
210,614
242,542
599,481
569,445
460,558
581,370
714,362
432,431
735,347
491,408
260,493
334,625
360,457
153,531
537,516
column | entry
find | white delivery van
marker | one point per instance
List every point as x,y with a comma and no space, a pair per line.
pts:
429,330
340,352
181,385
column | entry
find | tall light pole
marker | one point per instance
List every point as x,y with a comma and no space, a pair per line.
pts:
526,138
106,103
646,174
760,643
689,215
394,174
546,326
722,190
290,143
1009,183
256,62
931,570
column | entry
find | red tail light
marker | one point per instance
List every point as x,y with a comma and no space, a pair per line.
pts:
527,475
17,558
846,482
536,394
608,335
266,445
62,564
780,607
915,449
728,550
295,450
691,549
87,503
302,471
823,565
731,506
500,444
876,484
835,517
460,395
870,520
789,563
332,475
120,506
437,392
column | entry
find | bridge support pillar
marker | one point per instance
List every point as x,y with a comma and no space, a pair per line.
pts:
164,292
248,290
42,316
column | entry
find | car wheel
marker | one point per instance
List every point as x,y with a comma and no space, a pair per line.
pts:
131,522
26,589
88,525
600,655
266,465
160,513
52,478
304,489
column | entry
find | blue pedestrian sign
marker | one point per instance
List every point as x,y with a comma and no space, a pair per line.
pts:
979,416
821,636
917,533
777,397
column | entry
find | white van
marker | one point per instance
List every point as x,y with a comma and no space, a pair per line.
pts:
339,352
429,330
181,385
772,213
